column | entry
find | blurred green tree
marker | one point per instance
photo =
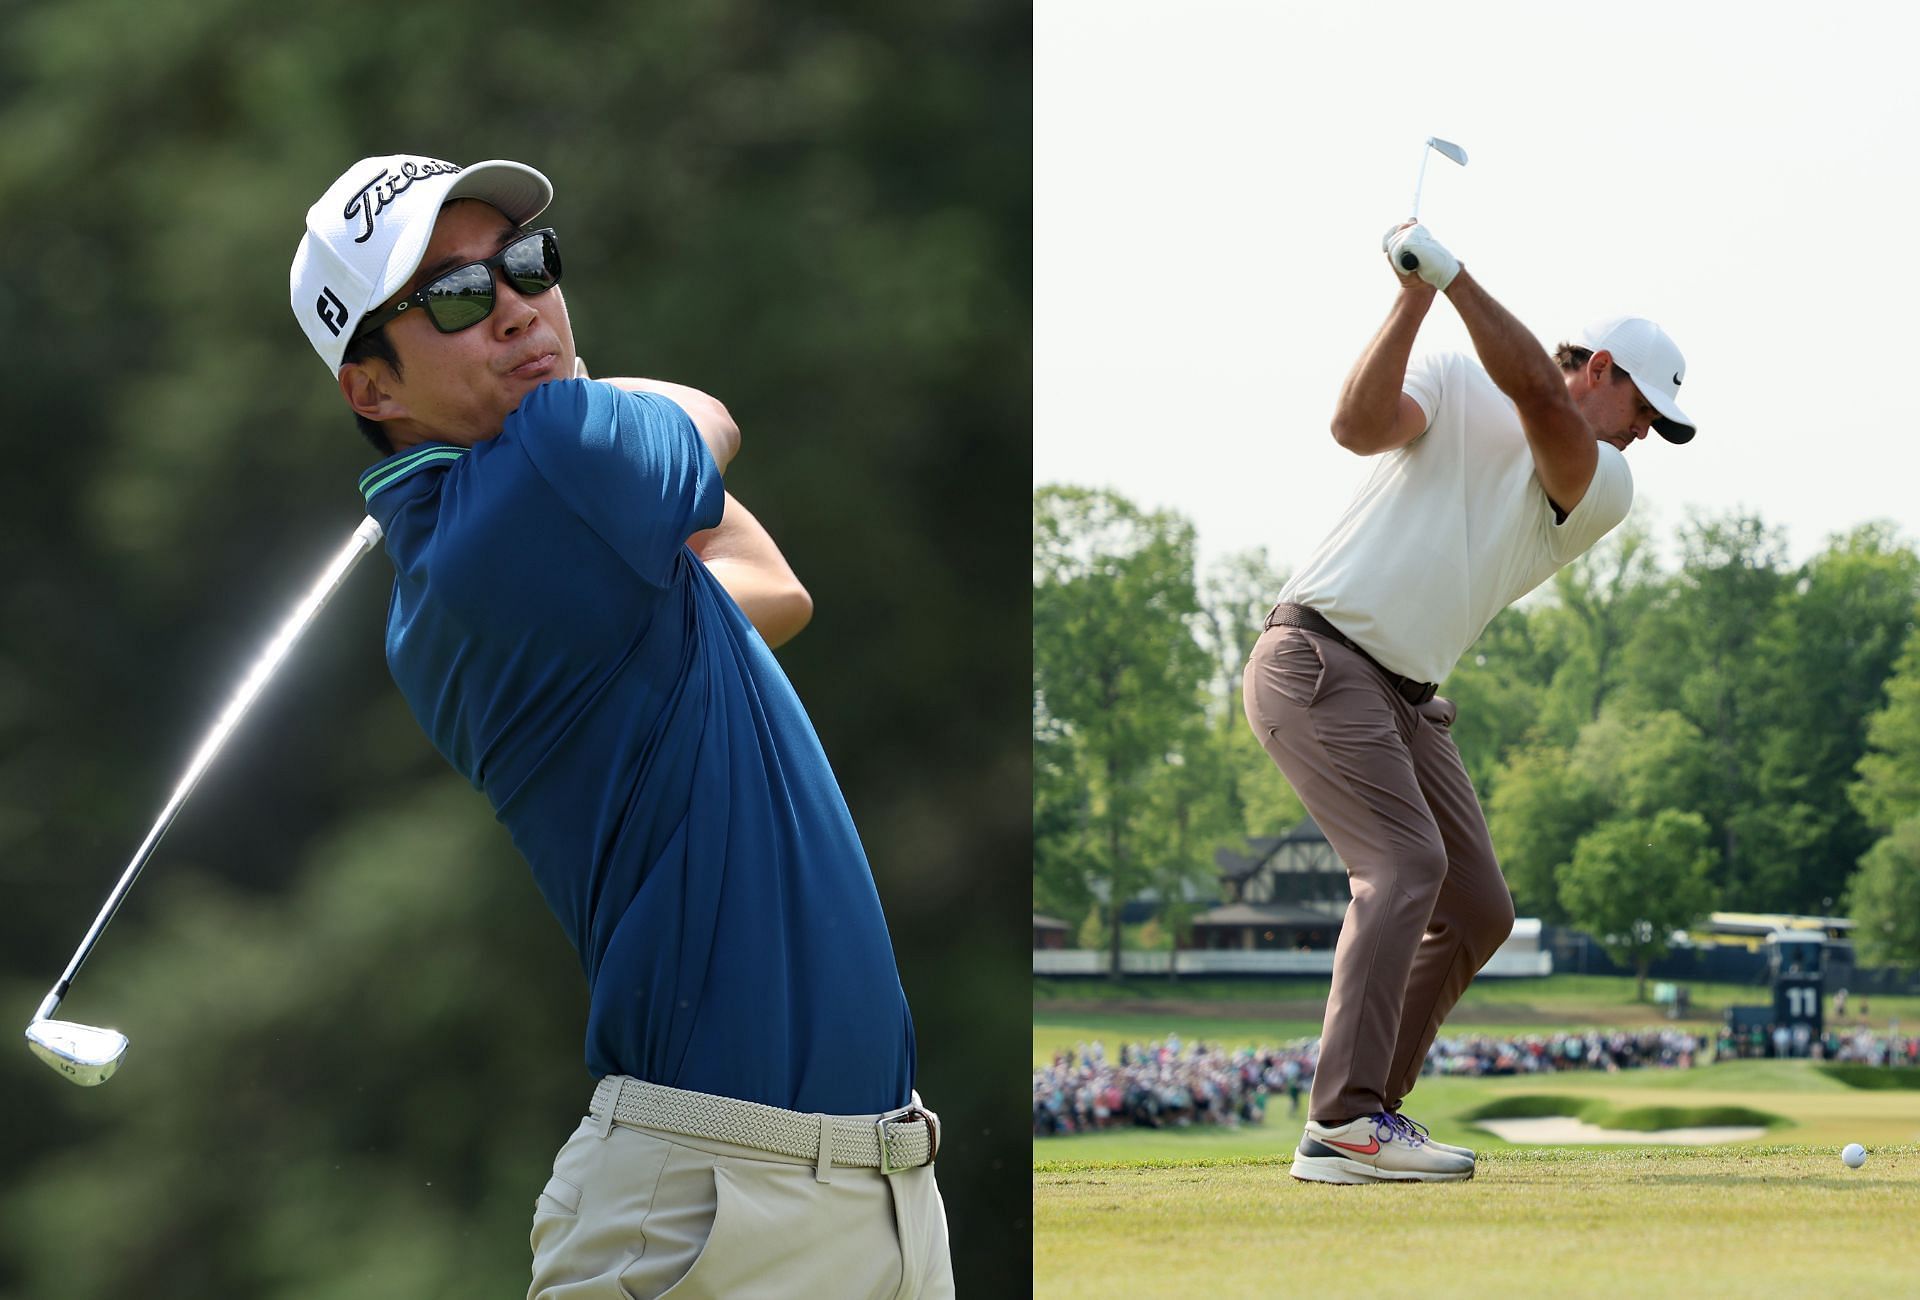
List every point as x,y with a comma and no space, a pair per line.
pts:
1633,881
1888,790
1697,652
1117,674
1500,689
1539,810
1883,898
1829,649
1190,810
1236,594
1598,600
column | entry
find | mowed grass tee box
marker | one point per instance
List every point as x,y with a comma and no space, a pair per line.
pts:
1212,1211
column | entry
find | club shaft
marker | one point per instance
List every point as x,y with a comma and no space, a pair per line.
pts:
365,537
1419,182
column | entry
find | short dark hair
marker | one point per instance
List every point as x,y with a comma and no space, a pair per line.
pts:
1572,356
374,345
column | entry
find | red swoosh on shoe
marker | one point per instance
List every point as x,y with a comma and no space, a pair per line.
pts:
1371,1148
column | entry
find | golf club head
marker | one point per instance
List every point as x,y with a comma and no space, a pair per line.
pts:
1447,149
85,1054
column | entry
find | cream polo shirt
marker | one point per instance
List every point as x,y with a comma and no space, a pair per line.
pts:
1451,529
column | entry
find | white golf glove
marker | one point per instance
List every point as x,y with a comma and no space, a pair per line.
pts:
1414,251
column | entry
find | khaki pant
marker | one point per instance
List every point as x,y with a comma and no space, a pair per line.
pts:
1385,783
633,1212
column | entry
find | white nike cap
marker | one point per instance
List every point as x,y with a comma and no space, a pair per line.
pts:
366,235
1652,361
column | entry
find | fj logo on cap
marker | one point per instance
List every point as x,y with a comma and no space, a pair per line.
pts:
383,189
1676,379
333,312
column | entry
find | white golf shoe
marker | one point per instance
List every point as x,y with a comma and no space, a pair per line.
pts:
1428,1138
1414,251
1372,1149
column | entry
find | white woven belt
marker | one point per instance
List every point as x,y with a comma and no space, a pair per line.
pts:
902,1139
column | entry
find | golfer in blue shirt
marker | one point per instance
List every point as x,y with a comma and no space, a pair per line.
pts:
581,622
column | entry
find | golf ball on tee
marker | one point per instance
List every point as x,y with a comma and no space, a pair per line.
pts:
1854,1156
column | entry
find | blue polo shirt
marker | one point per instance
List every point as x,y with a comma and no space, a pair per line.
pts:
568,654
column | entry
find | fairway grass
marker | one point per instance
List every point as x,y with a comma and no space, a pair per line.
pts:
1751,1220
1212,1211
1055,1033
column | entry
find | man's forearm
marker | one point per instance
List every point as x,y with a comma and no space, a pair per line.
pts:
743,556
1366,418
1514,359
1563,446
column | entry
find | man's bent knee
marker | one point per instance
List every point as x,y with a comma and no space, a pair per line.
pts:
1491,928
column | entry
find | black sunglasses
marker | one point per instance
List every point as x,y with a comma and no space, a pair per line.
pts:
463,297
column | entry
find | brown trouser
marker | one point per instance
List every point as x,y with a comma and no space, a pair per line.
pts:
1384,781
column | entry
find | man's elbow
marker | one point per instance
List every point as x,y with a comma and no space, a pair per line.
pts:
1362,439
712,421
788,614
724,425
721,434
801,602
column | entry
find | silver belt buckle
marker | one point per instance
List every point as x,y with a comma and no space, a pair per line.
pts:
921,1113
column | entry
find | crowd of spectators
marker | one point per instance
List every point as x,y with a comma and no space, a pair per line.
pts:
1859,1046
1869,1048
1170,1084
1165,1085
1592,1049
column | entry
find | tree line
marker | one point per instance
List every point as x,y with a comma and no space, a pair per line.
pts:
1650,742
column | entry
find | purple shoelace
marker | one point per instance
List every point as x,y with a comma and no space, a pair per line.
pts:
1390,1126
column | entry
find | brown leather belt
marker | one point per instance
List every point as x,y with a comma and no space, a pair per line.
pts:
1305,616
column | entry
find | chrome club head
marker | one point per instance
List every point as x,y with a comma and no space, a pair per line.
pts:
85,1054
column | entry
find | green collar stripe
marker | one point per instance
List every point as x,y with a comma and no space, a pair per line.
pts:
379,479
404,463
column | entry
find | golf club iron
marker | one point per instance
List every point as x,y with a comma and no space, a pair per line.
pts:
1446,149
89,1055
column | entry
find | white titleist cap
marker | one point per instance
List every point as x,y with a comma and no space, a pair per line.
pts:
1644,351
368,232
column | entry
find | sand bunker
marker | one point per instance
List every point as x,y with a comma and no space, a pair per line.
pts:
1558,1130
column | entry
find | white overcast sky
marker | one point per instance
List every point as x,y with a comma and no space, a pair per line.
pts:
1211,180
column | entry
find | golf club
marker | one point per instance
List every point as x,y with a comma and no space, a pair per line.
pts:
1446,149
89,1055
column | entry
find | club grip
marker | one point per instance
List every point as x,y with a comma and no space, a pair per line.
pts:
1409,263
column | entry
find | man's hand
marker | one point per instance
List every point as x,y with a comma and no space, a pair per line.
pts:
1410,242
742,555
